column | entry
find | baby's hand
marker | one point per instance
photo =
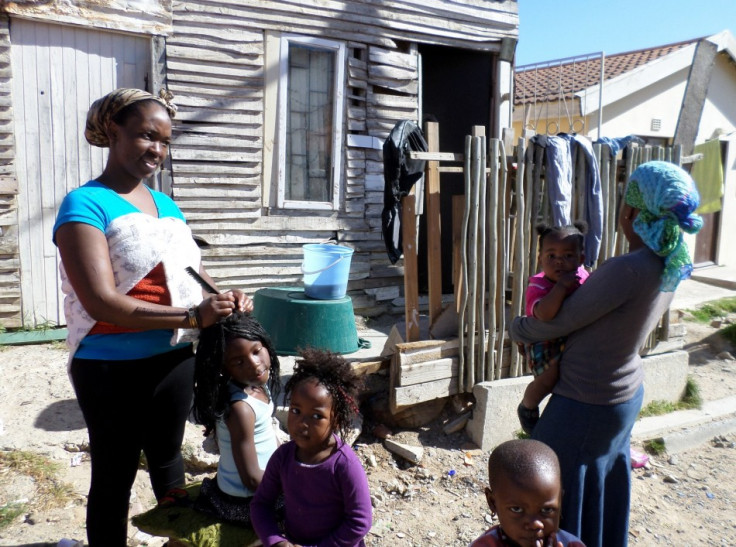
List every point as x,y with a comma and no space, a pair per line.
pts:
521,349
570,280
549,541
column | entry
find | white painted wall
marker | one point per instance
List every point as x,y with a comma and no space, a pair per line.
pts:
719,113
726,254
58,71
719,110
633,114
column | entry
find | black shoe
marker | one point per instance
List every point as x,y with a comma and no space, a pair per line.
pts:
527,417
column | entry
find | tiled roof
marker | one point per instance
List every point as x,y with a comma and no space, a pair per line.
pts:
553,81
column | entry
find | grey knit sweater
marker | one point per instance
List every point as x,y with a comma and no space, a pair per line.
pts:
606,320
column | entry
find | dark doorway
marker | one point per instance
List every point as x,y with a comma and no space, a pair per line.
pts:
456,93
707,239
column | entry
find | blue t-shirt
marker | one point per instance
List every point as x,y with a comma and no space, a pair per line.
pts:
98,205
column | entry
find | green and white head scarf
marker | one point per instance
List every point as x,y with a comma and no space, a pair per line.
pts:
666,197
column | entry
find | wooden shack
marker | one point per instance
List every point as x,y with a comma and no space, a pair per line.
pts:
283,110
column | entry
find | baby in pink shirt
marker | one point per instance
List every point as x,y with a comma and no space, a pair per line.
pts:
561,258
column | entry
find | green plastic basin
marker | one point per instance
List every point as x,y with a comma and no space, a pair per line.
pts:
294,321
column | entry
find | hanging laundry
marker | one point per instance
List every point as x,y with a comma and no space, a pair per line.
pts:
618,143
708,176
593,200
558,174
399,174
558,153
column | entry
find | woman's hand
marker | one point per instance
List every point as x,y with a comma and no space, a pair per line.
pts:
243,301
211,309
221,305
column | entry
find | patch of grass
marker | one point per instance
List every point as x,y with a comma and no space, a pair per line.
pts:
50,491
42,326
9,512
522,435
58,344
657,408
690,399
711,310
655,447
729,333
34,465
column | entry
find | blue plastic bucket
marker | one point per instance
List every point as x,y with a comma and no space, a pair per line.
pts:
326,269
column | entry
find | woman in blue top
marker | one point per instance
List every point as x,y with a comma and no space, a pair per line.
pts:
131,309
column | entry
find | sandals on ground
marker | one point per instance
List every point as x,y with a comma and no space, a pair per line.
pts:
175,496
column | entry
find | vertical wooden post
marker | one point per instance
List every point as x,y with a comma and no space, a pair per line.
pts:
477,171
491,227
458,208
520,254
434,241
411,286
480,289
465,366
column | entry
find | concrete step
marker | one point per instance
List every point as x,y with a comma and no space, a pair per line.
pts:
719,276
686,429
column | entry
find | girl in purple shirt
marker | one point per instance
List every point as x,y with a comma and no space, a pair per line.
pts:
326,495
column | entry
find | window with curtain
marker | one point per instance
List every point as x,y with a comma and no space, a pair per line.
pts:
310,123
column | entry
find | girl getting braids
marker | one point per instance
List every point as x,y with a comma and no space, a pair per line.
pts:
210,396
236,380
326,494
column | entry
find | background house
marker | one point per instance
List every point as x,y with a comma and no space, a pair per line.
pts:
283,109
673,94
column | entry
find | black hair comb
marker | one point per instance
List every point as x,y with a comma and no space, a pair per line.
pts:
199,279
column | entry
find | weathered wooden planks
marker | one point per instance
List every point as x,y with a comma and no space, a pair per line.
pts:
10,289
213,55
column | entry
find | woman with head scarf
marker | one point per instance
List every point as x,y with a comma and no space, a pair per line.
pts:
131,309
591,413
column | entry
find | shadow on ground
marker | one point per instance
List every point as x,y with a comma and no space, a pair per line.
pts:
62,415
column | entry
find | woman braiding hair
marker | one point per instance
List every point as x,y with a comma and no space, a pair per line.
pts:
131,309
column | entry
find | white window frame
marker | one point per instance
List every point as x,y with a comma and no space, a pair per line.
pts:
337,138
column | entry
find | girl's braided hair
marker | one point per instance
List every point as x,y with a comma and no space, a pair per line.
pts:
577,229
337,376
211,394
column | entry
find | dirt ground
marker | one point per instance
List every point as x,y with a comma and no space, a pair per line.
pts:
684,499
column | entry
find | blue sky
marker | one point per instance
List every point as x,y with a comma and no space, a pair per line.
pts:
553,29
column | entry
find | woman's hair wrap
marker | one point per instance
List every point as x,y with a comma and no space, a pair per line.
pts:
104,109
666,198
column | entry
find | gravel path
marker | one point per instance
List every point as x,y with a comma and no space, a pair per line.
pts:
686,499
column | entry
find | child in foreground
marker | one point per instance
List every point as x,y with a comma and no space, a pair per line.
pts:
236,380
561,259
525,491
326,495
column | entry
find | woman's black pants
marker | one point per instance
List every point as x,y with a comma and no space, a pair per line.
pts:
129,407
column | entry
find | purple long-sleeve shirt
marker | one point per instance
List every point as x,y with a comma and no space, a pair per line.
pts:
327,504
